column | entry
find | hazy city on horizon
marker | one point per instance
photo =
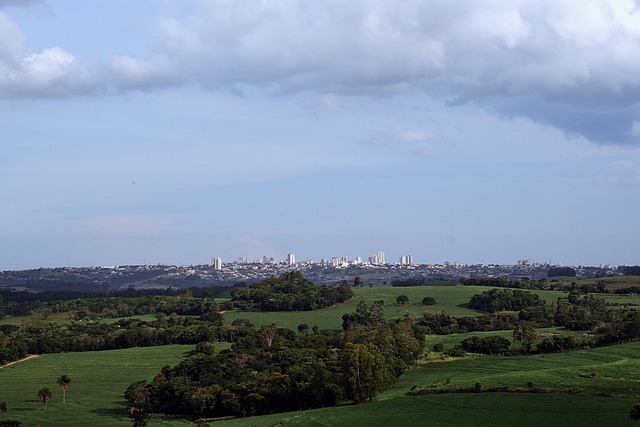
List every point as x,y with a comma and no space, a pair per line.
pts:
172,132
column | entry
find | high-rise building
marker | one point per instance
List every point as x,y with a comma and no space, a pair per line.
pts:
291,259
216,263
377,259
406,260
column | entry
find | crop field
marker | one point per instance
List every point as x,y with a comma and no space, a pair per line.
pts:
451,299
94,398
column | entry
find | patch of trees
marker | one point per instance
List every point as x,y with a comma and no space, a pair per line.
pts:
274,370
558,343
486,345
289,292
503,282
561,271
414,281
445,324
40,337
110,307
428,301
495,300
631,270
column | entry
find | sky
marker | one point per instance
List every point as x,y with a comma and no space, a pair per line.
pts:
174,131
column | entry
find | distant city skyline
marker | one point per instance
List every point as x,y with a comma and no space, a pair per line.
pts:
171,132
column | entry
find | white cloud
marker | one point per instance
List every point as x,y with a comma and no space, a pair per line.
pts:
129,72
50,73
573,64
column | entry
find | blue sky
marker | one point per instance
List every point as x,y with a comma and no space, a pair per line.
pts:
171,132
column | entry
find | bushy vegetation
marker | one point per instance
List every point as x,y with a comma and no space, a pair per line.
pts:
561,271
273,370
289,292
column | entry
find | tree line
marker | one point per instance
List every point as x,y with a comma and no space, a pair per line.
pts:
288,292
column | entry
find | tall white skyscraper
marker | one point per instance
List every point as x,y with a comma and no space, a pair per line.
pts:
217,263
406,260
377,259
291,259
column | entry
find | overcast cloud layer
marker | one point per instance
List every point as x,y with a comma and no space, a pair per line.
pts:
362,90
572,64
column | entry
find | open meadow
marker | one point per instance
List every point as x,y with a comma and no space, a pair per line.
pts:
94,398
451,299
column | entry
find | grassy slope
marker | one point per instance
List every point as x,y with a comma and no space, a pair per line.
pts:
496,409
94,398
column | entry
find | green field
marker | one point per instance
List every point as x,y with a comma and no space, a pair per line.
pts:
460,410
451,299
95,398
601,401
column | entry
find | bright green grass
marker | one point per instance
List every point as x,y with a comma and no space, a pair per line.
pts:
451,299
95,398
617,369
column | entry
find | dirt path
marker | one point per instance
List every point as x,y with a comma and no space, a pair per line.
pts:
31,356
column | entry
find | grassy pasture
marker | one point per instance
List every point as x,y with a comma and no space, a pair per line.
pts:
451,299
95,397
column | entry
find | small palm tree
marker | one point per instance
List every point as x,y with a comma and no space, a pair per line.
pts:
44,395
63,381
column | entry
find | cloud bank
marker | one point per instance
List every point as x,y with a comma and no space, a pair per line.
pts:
571,64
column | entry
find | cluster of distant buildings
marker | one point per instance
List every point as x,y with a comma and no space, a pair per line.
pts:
344,261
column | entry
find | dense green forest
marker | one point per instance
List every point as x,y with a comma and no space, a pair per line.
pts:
288,292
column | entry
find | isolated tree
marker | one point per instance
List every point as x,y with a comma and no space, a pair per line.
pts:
267,334
3,408
357,282
64,381
402,299
428,300
526,335
44,396
303,328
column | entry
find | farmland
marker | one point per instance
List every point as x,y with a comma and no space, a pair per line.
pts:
95,396
593,386
451,299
